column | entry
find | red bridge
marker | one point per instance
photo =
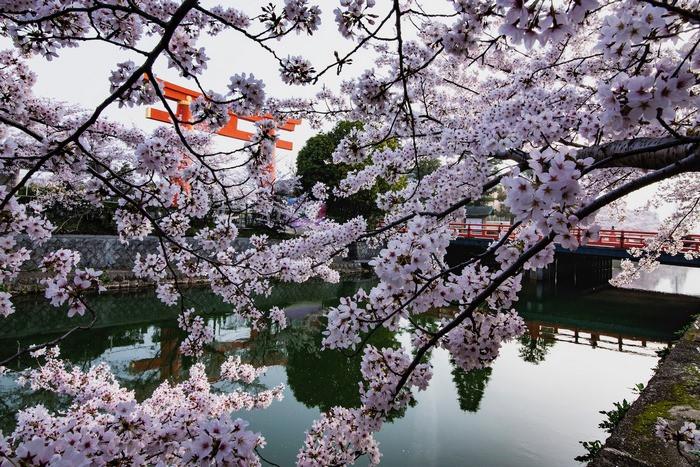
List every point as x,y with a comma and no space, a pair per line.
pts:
611,243
609,238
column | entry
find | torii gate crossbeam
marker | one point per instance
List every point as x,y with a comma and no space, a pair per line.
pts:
184,97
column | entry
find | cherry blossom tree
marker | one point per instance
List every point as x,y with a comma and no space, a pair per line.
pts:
569,105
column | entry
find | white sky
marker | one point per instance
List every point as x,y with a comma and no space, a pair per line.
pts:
80,75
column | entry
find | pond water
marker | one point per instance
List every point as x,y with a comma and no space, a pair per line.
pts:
582,352
669,279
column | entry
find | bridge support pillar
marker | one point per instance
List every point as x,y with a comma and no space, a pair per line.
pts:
565,266
544,275
582,272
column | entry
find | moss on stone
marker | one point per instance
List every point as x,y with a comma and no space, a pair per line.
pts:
691,334
679,395
693,373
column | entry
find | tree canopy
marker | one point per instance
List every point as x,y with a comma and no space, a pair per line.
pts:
315,164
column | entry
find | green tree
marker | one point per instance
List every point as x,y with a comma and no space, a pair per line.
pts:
315,164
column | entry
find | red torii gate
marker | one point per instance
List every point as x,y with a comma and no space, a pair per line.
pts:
184,97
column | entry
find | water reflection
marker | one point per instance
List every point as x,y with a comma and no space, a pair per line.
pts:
667,279
535,343
139,339
540,337
470,386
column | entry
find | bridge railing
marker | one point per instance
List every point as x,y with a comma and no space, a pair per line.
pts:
608,238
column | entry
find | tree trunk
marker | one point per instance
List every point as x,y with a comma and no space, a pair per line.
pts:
637,153
640,153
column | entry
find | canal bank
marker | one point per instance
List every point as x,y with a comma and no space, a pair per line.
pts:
115,259
673,393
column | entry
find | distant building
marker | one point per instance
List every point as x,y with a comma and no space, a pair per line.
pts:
477,214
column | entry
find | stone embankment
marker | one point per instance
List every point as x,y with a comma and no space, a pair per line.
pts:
116,259
673,393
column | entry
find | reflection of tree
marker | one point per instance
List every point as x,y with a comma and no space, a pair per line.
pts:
322,378
325,378
470,386
535,344
81,347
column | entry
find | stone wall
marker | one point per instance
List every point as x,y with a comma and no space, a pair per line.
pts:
96,251
104,252
672,393
107,253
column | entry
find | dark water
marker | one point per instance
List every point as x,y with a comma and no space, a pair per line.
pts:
542,395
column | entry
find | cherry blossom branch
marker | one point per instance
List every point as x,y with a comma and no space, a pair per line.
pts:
57,340
168,32
689,163
691,15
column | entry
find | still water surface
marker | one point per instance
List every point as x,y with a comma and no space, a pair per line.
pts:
582,352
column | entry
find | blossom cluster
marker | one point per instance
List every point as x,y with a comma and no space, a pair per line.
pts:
387,303
198,333
631,25
339,437
630,99
302,16
220,236
141,93
351,14
687,436
249,91
296,70
551,198
17,219
382,369
476,343
131,225
233,370
212,109
60,289
178,425
526,24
